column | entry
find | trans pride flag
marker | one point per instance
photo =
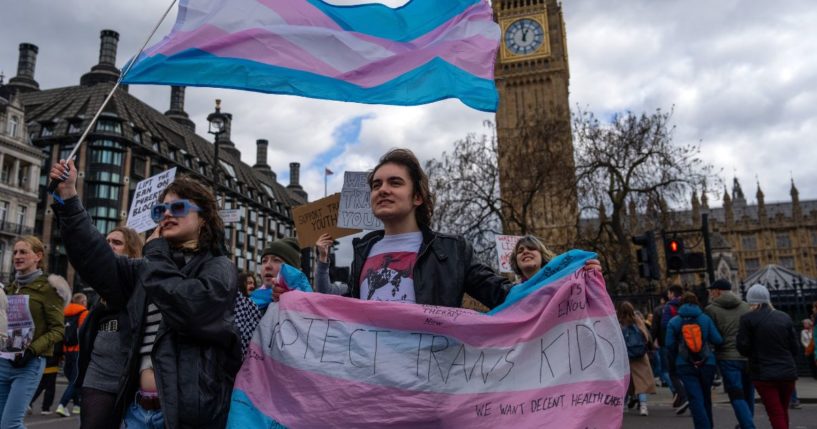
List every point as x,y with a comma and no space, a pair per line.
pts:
424,51
553,352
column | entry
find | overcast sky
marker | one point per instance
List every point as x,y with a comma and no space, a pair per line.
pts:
742,76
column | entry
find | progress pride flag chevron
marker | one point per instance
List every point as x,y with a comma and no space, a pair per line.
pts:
553,352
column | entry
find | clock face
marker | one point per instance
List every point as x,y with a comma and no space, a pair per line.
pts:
524,36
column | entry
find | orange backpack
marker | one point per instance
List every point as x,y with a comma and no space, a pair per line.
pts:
692,346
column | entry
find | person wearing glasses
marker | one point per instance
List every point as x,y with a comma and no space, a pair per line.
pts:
179,298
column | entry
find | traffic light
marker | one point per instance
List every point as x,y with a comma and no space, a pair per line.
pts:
647,256
674,251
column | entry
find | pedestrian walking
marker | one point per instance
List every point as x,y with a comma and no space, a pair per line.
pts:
44,297
725,310
75,314
638,341
179,298
689,335
668,311
768,339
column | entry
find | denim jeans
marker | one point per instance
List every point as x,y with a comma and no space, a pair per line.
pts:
71,369
741,392
17,386
674,381
139,418
698,385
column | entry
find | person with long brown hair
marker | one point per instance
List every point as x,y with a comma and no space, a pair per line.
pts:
22,365
102,356
641,380
179,298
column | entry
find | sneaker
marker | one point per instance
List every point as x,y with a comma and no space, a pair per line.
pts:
642,409
682,408
795,405
676,400
75,410
61,411
45,413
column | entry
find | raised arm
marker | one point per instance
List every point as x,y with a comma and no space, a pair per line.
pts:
481,282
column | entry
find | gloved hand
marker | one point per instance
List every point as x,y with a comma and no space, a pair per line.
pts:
22,360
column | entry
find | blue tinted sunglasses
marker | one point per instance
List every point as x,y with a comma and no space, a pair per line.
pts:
178,208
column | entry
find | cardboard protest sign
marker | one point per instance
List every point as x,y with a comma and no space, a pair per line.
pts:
504,248
20,327
355,206
145,197
553,352
317,218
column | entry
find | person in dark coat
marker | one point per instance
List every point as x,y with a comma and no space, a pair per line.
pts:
102,354
179,299
768,339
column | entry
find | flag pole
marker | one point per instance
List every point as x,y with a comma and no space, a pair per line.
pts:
324,181
52,187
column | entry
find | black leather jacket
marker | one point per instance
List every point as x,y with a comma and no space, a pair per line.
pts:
197,352
444,271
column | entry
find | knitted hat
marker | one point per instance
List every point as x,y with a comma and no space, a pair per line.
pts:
286,249
721,284
758,294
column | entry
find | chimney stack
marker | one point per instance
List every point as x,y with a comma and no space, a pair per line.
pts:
24,81
176,112
261,153
295,181
106,70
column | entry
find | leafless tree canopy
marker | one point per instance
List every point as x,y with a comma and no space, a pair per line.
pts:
628,168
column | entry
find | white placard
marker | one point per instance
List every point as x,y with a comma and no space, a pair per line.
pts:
145,197
230,215
504,248
20,327
355,206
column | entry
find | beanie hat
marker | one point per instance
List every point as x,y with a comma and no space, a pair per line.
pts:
721,284
286,249
758,294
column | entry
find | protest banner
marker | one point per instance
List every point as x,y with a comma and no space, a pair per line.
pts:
20,327
552,352
319,217
504,248
355,205
145,197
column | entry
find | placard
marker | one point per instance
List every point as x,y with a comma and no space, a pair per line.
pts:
230,215
20,327
355,205
319,217
145,197
504,248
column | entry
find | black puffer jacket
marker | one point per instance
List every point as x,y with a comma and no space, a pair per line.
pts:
196,353
767,337
444,271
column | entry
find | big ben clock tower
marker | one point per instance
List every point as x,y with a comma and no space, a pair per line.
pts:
537,171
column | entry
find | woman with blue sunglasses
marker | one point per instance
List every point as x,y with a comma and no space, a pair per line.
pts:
179,299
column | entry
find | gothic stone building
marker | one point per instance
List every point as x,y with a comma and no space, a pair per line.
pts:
132,141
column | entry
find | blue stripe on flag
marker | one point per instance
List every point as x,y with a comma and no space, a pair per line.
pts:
244,415
433,81
560,266
403,24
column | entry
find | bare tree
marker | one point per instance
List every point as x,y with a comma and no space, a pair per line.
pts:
629,171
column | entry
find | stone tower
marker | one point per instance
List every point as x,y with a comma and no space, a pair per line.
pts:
537,170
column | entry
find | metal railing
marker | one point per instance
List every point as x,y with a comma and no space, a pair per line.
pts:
15,228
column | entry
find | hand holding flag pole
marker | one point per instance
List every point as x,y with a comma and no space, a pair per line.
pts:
52,186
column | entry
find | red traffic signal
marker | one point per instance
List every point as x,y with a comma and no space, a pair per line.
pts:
674,252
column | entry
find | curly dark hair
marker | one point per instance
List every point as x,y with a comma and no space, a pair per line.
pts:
211,236
419,181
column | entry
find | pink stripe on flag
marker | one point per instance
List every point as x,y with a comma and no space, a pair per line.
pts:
288,396
511,326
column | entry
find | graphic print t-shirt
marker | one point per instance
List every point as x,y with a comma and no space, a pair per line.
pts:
388,271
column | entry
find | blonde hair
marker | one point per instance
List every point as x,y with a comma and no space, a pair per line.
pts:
530,242
37,246
133,242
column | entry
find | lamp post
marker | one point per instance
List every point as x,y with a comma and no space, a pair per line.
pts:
217,121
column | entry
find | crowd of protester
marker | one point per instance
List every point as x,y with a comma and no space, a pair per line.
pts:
174,312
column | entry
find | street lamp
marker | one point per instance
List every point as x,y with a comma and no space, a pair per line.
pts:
217,122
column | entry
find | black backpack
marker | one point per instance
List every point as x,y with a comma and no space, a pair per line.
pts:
635,341
72,329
